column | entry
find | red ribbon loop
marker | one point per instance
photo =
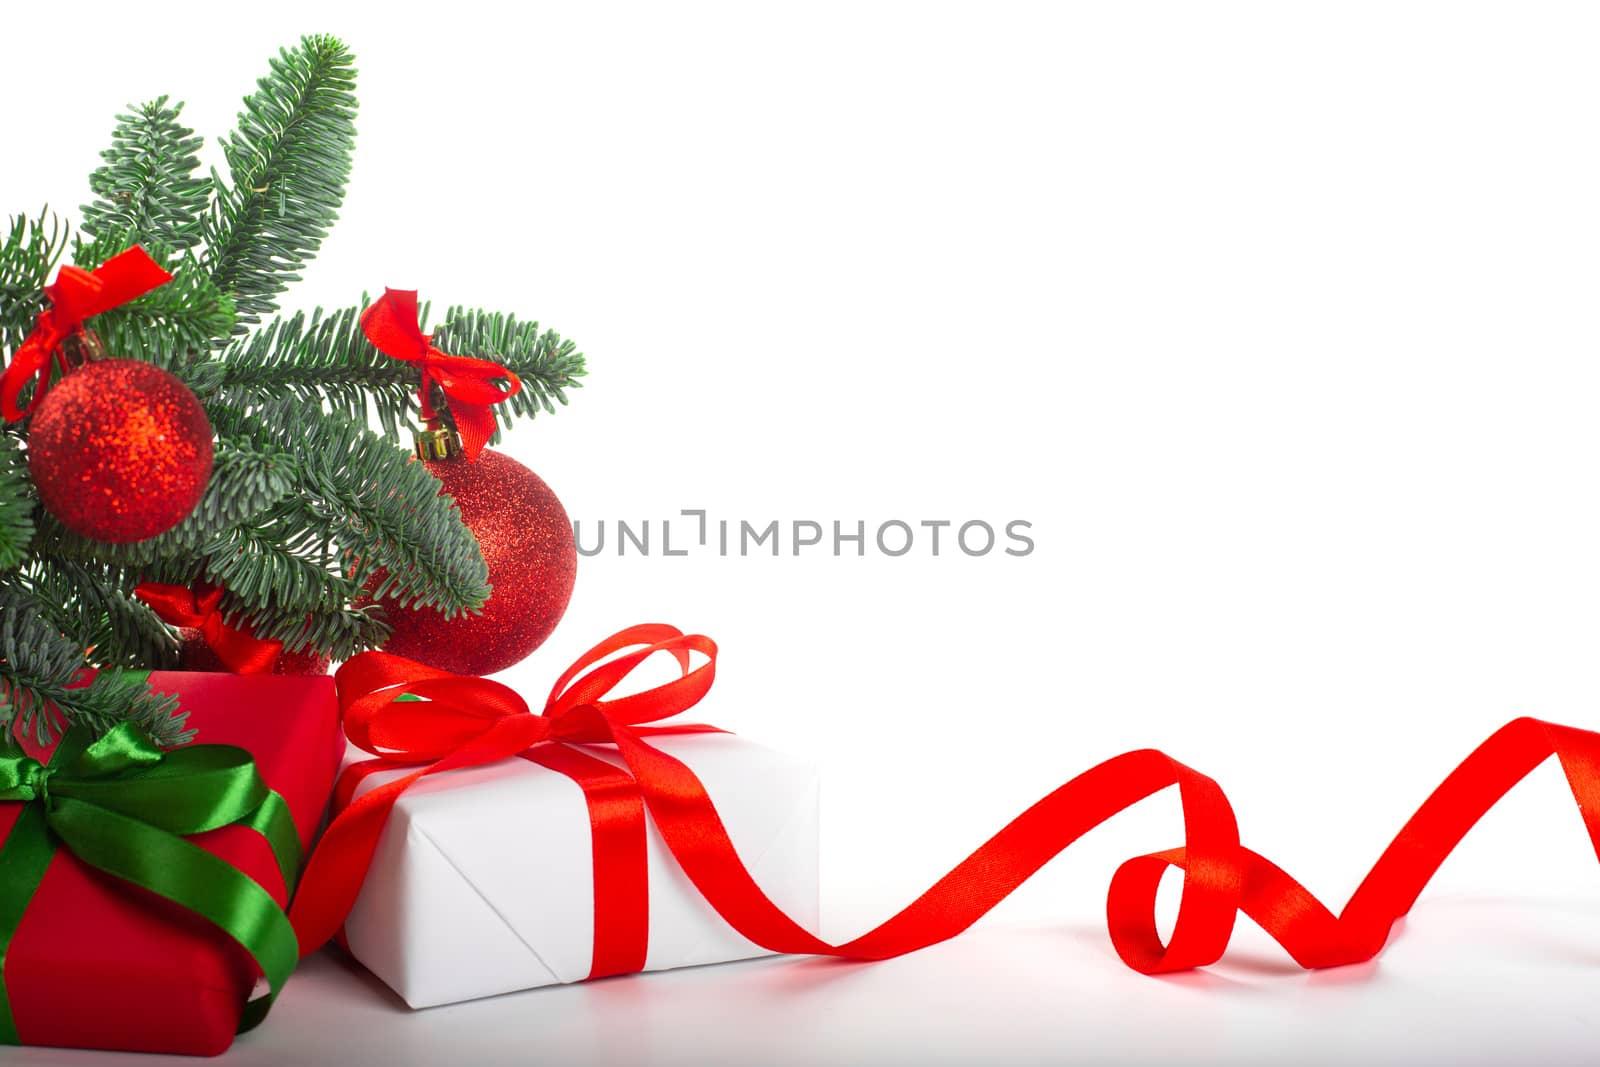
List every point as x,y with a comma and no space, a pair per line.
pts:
76,295
393,327
201,608
1221,877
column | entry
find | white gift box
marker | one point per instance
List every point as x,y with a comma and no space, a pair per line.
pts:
483,880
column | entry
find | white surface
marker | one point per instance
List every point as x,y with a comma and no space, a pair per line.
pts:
482,881
1469,980
1277,321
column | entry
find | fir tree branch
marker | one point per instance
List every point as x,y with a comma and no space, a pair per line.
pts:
326,359
280,564
16,503
38,664
547,365
147,191
380,510
28,252
280,582
320,359
338,631
91,605
288,160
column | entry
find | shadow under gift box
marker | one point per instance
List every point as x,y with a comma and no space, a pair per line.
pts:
100,963
483,880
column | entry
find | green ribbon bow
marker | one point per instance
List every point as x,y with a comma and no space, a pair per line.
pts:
123,805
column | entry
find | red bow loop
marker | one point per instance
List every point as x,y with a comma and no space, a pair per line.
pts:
449,710
74,296
393,326
571,693
200,608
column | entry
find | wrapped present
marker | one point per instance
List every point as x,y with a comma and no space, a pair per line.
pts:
490,879
541,868
142,892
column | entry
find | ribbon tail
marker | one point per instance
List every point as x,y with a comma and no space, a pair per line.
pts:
688,822
1220,877
475,423
32,359
338,867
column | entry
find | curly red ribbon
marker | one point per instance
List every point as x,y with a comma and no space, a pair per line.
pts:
462,722
201,608
76,295
393,327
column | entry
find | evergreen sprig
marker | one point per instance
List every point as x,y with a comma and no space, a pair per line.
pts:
91,603
385,512
16,503
324,358
288,162
310,519
28,253
147,191
277,565
547,365
38,666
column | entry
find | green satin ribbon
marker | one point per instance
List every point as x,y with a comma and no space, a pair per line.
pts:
122,805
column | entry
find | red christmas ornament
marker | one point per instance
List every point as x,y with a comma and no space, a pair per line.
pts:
120,450
526,539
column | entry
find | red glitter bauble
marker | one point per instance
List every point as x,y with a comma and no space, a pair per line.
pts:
526,539
119,450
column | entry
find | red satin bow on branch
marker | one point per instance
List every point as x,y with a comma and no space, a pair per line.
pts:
75,295
392,325
201,608
469,721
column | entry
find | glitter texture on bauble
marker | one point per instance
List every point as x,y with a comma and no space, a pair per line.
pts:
527,542
120,451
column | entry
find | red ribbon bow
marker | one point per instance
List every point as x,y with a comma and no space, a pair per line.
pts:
201,608
468,721
76,295
392,325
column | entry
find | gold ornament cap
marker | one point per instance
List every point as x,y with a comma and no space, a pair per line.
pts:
80,347
438,443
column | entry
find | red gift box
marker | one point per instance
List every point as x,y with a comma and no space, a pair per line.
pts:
100,963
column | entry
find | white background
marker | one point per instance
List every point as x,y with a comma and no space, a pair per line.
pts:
1277,322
